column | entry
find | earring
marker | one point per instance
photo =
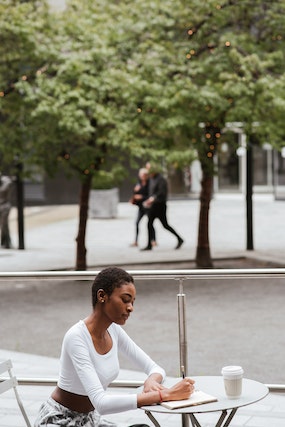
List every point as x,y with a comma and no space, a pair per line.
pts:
102,300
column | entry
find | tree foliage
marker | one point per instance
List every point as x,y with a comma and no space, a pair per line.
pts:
236,54
24,29
102,81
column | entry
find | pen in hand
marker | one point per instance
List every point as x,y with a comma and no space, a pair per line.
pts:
183,376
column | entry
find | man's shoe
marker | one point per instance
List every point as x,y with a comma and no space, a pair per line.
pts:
147,248
180,243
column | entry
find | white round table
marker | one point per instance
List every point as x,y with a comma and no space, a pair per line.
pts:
252,391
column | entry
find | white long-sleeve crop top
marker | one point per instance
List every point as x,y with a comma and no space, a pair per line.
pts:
84,371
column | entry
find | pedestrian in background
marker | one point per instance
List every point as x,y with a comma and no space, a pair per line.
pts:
156,203
140,194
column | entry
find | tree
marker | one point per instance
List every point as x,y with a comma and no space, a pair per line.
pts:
82,96
237,61
71,106
88,99
223,63
146,80
63,93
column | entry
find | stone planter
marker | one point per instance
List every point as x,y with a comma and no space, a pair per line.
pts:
104,203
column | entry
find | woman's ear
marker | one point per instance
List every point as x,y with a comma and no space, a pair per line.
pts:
101,295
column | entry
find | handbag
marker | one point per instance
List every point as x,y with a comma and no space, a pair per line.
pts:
133,201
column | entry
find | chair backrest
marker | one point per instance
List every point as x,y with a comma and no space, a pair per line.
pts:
11,383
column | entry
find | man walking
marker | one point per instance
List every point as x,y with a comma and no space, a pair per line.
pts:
156,203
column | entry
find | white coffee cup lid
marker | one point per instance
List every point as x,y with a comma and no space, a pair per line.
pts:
232,371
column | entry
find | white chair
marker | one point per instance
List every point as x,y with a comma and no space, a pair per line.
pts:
11,383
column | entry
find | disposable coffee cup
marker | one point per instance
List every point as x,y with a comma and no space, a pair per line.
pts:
233,381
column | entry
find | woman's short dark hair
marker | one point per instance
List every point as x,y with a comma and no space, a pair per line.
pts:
108,279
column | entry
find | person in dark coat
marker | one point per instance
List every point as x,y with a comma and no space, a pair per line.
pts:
156,203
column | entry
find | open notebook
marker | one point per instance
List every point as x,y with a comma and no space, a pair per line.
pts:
196,398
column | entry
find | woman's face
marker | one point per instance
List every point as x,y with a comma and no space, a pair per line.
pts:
144,175
120,304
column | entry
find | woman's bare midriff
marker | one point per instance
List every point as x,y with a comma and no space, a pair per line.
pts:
72,401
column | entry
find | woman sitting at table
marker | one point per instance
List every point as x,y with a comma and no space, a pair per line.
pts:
89,361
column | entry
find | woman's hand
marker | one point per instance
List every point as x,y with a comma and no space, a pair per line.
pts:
137,196
154,392
181,390
153,383
148,202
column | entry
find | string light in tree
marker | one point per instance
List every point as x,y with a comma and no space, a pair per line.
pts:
64,156
190,54
24,78
212,135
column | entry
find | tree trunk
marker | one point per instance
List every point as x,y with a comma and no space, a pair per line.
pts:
203,255
210,140
81,264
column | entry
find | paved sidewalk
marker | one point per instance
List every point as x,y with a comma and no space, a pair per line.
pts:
50,245
50,233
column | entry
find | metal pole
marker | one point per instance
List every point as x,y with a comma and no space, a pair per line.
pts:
249,192
20,206
182,329
182,339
